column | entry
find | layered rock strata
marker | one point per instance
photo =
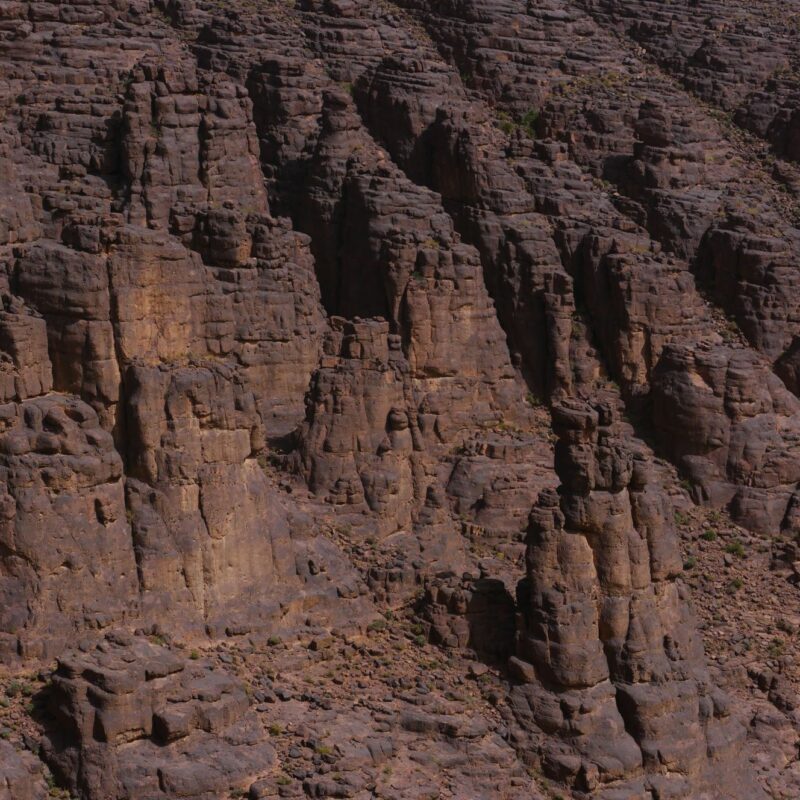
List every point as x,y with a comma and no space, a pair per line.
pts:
286,292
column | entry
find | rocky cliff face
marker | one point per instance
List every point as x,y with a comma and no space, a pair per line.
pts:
399,399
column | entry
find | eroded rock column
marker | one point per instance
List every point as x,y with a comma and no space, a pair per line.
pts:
612,673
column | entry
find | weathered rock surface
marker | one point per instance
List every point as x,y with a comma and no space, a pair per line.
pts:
740,445
607,655
132,719
68,564
20,775
288,291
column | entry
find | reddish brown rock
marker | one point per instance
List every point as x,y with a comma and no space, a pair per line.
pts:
732,426
133,719
607,642
283,288
20,775
67,562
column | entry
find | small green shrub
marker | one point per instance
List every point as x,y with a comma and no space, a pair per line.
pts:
529,120
681,518
505,123
735,548
776,648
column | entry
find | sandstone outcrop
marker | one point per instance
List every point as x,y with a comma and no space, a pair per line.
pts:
68,564
288,293
734,402
132,719
609,663
20,775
